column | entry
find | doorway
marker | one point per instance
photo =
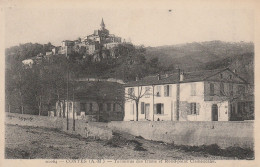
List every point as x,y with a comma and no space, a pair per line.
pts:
147,111
214,111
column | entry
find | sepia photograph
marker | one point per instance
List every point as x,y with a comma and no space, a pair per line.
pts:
122,83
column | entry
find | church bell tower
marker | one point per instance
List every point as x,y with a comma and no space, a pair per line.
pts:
102,25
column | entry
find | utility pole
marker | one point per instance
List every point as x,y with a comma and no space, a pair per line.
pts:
178,95
153,102
67,92
73,106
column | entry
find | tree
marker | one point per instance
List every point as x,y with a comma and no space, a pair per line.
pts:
130,61
9,88
19,82
130,95
243,93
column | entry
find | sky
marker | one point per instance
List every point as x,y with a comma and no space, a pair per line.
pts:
152,26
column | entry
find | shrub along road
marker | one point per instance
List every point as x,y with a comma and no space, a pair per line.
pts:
24,142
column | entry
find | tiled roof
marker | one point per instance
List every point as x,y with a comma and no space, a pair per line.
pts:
193,76
97,89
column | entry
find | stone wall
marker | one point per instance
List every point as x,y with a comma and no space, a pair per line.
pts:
89,129
82,127
33,120
224,134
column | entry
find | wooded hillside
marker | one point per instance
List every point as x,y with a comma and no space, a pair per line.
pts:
35,90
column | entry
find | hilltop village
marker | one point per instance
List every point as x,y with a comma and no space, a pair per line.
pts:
95,47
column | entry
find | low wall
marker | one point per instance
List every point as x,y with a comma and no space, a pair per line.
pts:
90,129
224,134
34,120
82,128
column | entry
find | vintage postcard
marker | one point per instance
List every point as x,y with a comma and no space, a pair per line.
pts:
90,83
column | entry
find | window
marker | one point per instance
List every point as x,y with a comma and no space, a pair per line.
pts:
211,88
193,89
241,108
230,76
167,90
90,107
159,108
142,107
221,76
158,91
70,107
147,92
82,107
221,88
193,109
131,92
114,106
241,89
108,106
100,106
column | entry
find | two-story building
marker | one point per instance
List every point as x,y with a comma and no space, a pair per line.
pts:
214,95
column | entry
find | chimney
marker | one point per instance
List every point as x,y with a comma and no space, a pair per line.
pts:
159,76
136,78
235,71
166,75
181,75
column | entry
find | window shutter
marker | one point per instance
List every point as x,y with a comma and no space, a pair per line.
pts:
165,90
190,109
198,108
142,107
211,89
221,88
154,108
194,108
231,89
133,109
162,109
170,90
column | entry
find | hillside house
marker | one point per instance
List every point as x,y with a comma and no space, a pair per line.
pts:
215,95
28,63
66,47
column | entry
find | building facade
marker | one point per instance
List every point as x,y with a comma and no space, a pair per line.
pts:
90,110
93,100
218,95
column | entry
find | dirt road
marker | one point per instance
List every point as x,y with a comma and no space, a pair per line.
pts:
25,142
